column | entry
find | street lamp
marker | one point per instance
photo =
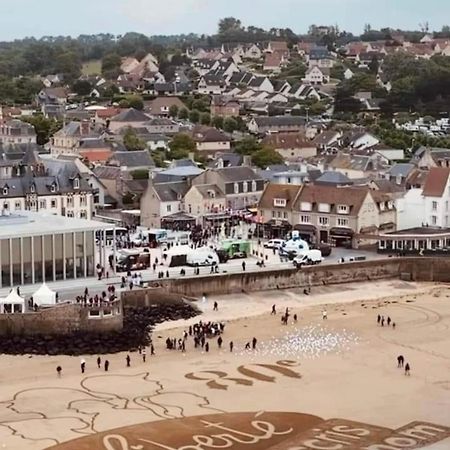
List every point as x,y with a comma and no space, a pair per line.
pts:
307,114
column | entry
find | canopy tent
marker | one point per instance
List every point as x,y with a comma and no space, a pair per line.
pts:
44,296
13,303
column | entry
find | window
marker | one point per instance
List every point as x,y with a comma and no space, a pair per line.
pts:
324,221
83,200
53,203
324,207
69,201
18,206
342,222
6,205
190,209
32,188
245,186
285,215
5,191
434,206
305,219
254,187
169,208
76,183
305,206
83,214
69,213
52,188
42,204
236,188
279,214
433,220
279,202
446,206
342,209
274,213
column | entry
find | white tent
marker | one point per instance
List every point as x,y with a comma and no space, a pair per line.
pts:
44,296
13,302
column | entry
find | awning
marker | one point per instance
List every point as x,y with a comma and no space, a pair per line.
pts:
178,218
305,228
387,225
278,223
368,230
341,232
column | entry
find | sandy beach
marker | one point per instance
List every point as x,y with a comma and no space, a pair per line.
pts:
342,368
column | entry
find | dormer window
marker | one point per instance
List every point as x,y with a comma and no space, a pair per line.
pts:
32,188
236,188
76,183
53,188
5,190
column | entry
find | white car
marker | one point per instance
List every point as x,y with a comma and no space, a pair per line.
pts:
274,243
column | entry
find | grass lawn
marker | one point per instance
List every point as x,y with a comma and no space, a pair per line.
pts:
93,67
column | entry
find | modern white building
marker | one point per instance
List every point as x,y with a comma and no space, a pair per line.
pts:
38,247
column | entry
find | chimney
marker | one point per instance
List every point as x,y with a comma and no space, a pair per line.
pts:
191,156
84,128
247,161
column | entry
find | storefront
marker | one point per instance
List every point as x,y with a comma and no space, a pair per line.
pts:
307,232
38,247
422,240
178,222
341,237
274,229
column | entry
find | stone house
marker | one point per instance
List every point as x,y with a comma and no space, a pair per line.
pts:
210,140
317,75
204,201
242,186
16,132
291,146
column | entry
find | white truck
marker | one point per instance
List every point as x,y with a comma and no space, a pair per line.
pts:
202,257
308,258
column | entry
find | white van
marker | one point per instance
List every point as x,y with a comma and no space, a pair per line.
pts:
202,257
274,243
309,258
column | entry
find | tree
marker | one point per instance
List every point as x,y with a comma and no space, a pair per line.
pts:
111,65
205,119
173,111
266,157
374,65
181,145
82,88
248,146
45,128
135,101
132,141
229,25
194,116
217,121
140,174
230,125
183,114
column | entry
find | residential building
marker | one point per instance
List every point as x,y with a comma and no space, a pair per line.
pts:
242,186
436,193
317,75
210,140
321,57
17,132
67,140
132,160
161,200
211,84
224,107
128,118
253,52
205,202
291,146
160,106
273,62
162,125
274,124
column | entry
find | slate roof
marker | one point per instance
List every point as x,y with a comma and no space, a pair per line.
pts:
402,169
138,158
280,121
130,115
232,174
171,192
333,177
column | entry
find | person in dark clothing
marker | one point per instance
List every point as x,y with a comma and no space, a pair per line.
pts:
59,370
389,321
216,306
378,319
254,341
106,366
382,321
407,369
231,346
400,361
219,341
152,349
274,310
99,362
243,266
247,346
83,366
128,359
207,347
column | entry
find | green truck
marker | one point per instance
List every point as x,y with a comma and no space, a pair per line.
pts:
235,248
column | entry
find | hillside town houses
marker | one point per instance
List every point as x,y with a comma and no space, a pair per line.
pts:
334,181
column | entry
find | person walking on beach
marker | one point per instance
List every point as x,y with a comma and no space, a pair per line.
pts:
207,347
400,361
382,321
378,319
99,362
231,347
254,341
58,371
152,349
324,314
274,310
83,365
407,369
247,346
144,355
219,342
243,266
128,359
389,321
216,306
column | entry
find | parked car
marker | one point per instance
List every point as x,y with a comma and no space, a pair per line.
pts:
309,258
274,243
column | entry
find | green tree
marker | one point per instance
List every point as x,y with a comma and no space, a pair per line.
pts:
194,116
266,157
229,25
135,101
132,141
111,65
183,114
173,111
217,121
205,118
181,145
248,146
230,125
45,128
141,174
82,88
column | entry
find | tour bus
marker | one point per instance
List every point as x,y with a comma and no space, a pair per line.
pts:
132,259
